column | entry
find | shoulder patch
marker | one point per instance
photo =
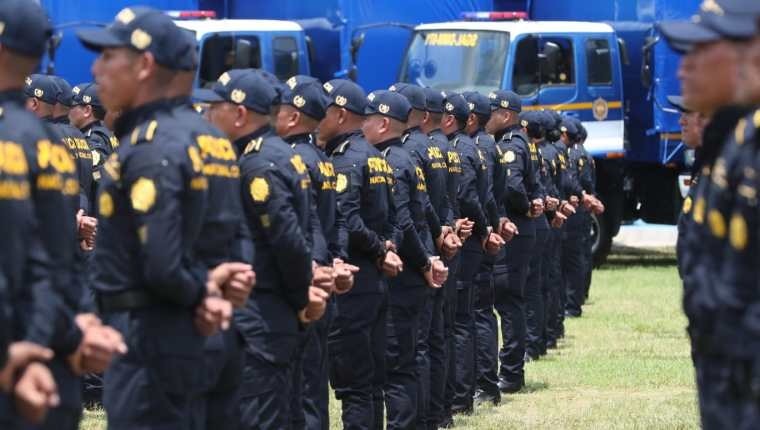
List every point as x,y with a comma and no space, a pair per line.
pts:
509,156
341,183
143,194
105,205
738,232
195,158
259,190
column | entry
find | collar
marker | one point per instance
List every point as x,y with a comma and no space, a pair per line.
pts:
241,142
90,126
132,118
180,101
382,146
333,143
299,138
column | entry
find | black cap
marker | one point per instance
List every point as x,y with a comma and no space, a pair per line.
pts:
716,19
569,126
677,102
143,29
24,27
346,94
533,122
243,87
279,88
456,105
414,94
292,81
478,103
387,103
85,93
64,90
188,54
434,100
309,98
504,99
41,87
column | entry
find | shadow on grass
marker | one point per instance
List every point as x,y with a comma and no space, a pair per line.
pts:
534,386
624,257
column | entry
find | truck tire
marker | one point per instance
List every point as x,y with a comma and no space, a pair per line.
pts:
601,239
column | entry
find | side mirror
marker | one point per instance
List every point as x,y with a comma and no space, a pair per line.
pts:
243,51
310,48
624,58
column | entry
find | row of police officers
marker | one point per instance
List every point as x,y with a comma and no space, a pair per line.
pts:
224,270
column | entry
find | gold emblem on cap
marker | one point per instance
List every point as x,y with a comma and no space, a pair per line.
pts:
443,94
125,16
143,194
492,95
371,96
449,107
563,129
600,109
259,190
224,78
711,6
328,87
237,96
471,106
299,101
86,99
341,101
75,90
504,104
38,93
2,27
392,88
291,82
140,39
524,123
28,80
384,108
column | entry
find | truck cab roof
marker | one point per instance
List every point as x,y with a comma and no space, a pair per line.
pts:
201,27
521,27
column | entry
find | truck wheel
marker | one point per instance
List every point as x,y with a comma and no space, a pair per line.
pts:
601,239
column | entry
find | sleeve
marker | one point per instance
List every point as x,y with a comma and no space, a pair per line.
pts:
242,248
432,219
469,202
320,252
339,243
161,199
585,175
269,198
357,234
515,195
410,246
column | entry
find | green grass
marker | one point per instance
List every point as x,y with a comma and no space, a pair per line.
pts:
624,365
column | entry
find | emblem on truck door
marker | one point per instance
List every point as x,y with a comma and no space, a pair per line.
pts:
600,109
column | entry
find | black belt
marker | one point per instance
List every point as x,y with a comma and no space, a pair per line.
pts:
125,301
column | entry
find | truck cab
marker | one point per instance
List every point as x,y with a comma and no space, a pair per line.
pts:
279,47
571,67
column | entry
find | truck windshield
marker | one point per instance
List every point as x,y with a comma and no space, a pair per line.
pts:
456,60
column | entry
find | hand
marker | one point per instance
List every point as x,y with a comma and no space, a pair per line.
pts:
323,277
344,276
20,354
536,208
567,208
450,246
87,228
588,201
551,204
558,220
219,275
597,207
392,264
507,229
212,314
492,243
35,393
316,307
574,201
239,286
87,320
437,274
464,228
99,345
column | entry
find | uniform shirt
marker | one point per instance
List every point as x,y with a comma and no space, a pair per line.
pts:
570,185
449,211
364,182
495,177
276,192
686,226
552,172
28,302
151,202
99,139
80,152
323,181
409,197
429,159
522,185
472,191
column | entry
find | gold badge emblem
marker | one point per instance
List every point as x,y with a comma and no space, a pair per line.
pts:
86,99
259,190
75,90
341,101
237,96
195,158
341,183
140,39
95,158
471,106
371,96
449,107
38,93
28,80
509,156
738,232
711,6
524,123
504,104
384,108
143,194
291,83
687,203
392,88
600,109
125,16
224,78
299,101
328,87
492,95
105,205
717,223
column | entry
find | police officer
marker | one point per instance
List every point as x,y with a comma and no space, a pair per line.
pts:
224,237
356,343
720,273
301,110
148,283
523,204
87,115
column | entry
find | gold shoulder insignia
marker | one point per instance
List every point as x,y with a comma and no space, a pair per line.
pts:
341,183
143,194
254,145
105,205
341,149
259,190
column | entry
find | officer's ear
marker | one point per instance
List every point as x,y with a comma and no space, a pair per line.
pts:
87,111
385,125
426,117
342,116
472,119
241,115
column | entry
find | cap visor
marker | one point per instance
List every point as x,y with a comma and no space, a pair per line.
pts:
680,35
97,39
205,95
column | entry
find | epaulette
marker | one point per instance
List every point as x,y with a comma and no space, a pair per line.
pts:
254,145
144,133
477,140
405,137
386,151
1,112
455,142
341,149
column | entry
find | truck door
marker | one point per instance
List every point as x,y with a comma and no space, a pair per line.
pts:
544,72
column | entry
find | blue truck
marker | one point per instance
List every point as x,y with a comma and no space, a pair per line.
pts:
600,60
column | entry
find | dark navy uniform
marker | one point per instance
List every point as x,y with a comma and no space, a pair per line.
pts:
99,138
510,274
